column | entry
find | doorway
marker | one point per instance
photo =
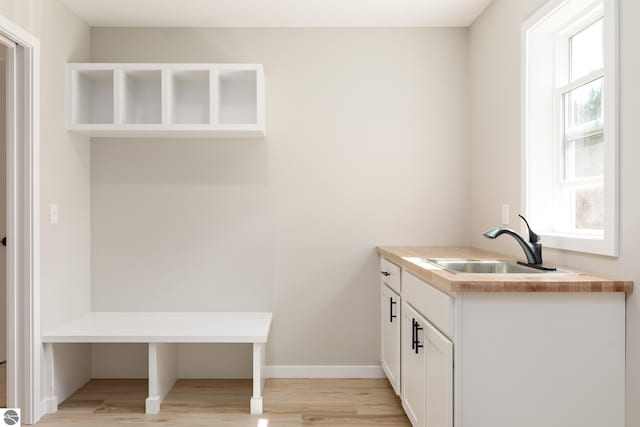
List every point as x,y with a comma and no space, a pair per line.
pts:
3,226
21,254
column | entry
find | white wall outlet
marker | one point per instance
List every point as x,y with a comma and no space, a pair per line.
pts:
53,214
505,214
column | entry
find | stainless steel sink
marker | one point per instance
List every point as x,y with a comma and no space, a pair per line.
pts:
476,266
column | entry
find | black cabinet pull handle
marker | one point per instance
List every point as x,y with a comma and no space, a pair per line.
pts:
4,241
391,304
413,334
385,273
416,343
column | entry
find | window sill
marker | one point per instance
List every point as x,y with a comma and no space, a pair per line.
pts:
585,244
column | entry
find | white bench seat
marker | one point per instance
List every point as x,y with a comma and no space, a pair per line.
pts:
163,331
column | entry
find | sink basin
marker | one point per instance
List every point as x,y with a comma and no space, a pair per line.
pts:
475,266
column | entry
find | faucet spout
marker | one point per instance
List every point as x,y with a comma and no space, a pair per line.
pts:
533,251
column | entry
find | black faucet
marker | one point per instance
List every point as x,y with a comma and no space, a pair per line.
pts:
532,249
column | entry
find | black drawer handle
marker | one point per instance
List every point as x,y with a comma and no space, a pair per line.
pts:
391,304
416,342
413,334
385,273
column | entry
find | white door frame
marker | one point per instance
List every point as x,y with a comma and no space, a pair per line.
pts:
23,222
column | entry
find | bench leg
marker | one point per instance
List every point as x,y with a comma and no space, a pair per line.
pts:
258,378
163,373
51,400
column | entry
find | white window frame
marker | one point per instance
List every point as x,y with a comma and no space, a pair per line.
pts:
541,130
562,85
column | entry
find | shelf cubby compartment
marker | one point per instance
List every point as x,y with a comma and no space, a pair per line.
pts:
190,97
142,97
92,97
237,97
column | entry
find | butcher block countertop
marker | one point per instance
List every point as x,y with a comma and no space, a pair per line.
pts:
411,260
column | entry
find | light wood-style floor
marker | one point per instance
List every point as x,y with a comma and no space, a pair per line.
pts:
287,403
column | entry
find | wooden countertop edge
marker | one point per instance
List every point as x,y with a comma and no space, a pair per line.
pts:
451,284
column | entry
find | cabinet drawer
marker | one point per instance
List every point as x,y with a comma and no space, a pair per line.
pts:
390,274
433,304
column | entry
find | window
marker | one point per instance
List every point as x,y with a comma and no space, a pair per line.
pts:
570,125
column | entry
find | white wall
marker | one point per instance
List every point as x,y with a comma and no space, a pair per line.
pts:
65,178
495,153
65,172
366,145
24,13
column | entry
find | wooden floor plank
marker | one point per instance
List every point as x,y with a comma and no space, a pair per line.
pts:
382,421
195,403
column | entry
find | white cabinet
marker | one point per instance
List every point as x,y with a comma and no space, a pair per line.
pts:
427,372
390,274
166,100
390,337
390,285
438,354
437,306
415,356
413,365
558,357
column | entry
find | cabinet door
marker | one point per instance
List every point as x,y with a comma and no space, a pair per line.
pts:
413,365
390,339
438,352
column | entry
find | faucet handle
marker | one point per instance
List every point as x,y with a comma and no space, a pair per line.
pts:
533,237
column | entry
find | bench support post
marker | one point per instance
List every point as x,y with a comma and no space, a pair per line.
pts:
51,400
258,378
163,373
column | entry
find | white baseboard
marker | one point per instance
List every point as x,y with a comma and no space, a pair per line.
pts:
330,371
47,406
50,406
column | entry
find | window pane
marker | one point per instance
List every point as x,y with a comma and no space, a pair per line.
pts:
590,208
583,148
586,50
583,106
584,157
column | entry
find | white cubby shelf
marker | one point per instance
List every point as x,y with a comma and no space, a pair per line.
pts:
166,100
